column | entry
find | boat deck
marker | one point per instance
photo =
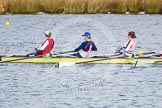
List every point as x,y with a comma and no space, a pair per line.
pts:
76,60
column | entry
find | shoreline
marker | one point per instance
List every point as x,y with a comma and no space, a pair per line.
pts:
81,6
77,14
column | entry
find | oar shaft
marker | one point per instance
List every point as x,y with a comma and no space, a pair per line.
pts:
90,61
65,52
146,53
151,52
24,58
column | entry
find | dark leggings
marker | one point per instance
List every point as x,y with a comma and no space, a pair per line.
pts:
32,54
77,55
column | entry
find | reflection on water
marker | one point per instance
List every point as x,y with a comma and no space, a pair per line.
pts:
93,86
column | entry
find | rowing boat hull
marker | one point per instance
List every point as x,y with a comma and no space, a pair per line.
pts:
76,60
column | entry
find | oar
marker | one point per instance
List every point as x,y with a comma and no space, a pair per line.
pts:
144,63
141,52
23,58
68,54
158,62
65,64
65,52
104,55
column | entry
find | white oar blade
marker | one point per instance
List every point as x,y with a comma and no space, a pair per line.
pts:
144,64
64,64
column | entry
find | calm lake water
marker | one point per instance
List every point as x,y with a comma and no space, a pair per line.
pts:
84,86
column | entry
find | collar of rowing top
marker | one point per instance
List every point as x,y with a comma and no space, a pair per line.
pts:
87,40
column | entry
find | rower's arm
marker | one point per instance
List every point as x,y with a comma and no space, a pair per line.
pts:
94,47
79,48
43,46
